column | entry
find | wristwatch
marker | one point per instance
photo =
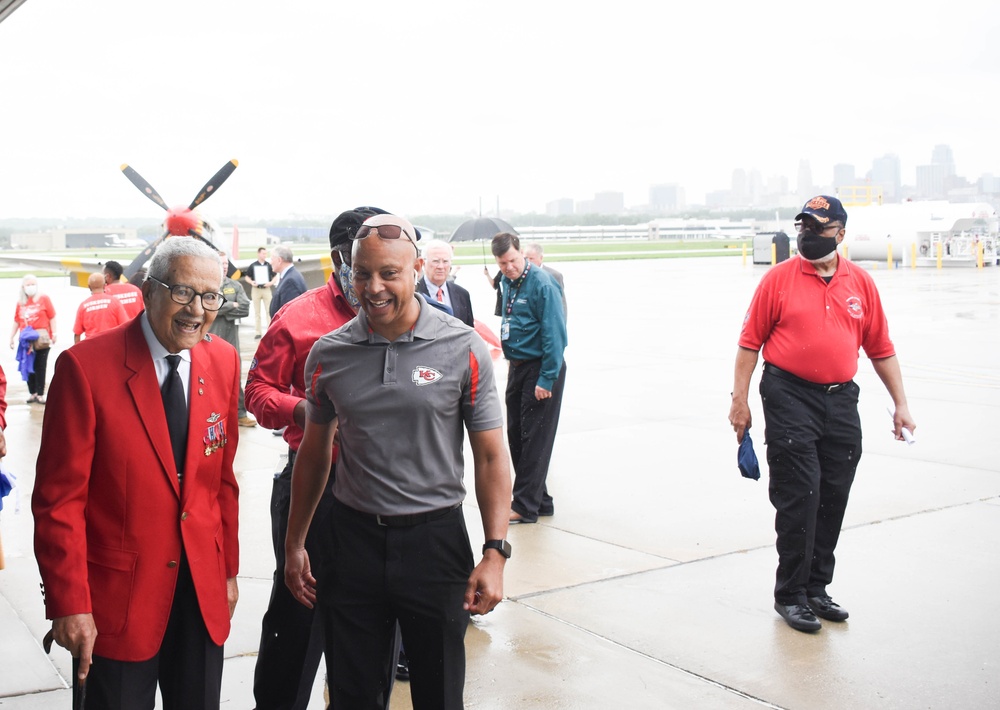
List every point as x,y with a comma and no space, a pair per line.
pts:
501,546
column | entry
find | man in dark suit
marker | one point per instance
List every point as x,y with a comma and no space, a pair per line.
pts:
135,500
291,285
435,286
534,253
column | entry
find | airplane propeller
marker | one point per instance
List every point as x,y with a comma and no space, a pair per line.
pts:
180,221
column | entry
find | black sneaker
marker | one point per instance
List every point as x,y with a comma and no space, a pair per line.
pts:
825,608
798,616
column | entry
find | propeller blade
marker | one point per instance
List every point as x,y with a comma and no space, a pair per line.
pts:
214,184
144,187
143,257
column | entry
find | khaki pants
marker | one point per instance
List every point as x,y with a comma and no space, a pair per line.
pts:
261,294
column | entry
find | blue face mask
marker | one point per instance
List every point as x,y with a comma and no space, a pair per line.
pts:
347,286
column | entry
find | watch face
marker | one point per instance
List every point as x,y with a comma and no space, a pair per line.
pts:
500,545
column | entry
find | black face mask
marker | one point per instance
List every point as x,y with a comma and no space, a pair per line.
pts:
812,246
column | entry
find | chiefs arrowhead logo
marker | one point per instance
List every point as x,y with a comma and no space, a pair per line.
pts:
424,376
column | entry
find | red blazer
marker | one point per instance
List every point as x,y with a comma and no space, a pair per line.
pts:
111,521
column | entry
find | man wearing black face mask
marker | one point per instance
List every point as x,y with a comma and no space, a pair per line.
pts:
811,315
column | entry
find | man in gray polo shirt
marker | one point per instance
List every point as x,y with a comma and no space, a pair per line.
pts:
401,381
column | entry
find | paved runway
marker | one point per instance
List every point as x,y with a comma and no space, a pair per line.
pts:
651,585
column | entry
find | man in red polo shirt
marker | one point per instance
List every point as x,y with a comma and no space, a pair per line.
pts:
128,295
811,315
99,311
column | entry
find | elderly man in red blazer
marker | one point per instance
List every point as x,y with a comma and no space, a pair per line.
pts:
136,519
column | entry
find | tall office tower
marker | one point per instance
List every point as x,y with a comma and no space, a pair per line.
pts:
886,174
931,181
560,207
805,186
666,198
739,189
843,175
942,156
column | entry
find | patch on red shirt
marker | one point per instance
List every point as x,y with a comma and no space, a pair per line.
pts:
854,307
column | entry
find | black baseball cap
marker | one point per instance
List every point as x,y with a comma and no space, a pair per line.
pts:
346,224
824,209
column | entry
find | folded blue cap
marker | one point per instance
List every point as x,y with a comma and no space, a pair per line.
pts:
747,459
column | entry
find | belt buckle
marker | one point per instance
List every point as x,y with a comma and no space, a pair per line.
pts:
378,521
830,389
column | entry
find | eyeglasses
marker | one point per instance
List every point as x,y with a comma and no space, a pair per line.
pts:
814,226
385,231
179,293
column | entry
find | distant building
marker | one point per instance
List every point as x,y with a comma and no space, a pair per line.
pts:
886,174
666,198
942,155
559,208
805,186
609,202
843,175
931,181
989,184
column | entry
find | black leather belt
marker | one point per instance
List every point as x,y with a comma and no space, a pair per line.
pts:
785,375
402,521
518,363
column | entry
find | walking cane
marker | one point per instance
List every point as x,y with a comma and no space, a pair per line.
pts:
79,686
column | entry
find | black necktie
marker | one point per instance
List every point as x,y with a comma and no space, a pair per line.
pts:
175,406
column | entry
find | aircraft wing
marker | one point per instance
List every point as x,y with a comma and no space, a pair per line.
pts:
79,269
315,268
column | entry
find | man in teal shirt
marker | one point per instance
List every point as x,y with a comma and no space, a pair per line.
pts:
533,336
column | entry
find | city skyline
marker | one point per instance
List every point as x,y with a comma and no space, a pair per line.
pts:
443,107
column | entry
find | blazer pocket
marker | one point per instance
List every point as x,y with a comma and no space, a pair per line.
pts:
112,575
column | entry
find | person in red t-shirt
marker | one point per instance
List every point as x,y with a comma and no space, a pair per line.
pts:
811,315
35,309
99,311
129,295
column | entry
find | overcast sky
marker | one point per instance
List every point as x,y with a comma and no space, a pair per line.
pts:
426,107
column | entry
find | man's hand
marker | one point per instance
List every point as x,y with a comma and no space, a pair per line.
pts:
3,444
542,393
77,634
485,587
233,593
739,417
298,576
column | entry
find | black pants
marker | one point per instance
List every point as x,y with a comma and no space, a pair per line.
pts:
379,575
531,434
813,447
291,636
188,666
36,379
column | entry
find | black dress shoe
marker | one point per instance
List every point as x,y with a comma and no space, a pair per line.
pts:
825,608
798,616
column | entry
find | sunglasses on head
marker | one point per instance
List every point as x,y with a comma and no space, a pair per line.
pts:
384,231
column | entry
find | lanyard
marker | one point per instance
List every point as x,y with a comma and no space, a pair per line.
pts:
514,291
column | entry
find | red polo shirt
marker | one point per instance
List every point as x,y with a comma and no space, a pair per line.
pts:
813,329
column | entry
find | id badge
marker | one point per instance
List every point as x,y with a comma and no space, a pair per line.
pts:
504,330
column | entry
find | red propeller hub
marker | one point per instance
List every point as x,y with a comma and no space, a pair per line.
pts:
181,221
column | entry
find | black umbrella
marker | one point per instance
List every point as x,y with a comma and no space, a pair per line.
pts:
480,228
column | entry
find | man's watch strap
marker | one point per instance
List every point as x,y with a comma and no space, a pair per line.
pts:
502,546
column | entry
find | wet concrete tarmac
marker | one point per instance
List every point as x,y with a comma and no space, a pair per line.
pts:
651,585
